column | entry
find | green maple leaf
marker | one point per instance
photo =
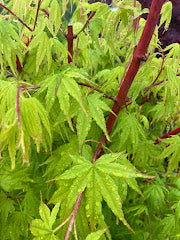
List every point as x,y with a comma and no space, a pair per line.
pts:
43,227
97,181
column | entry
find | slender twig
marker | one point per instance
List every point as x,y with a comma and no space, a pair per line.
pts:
97,90
32,87
47,15
62,224
92,140
37,12
74,212
88,20
162,65
70,38
174,132
99,148
75,230
63,32
152,85
17,105
21,21
18,64
147,98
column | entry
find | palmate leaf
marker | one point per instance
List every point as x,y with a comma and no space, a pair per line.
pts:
166,13
75,171
64,102
82,223
10,44
155,196
131,130
174,51
98,184
43,227
95,28
73,89
96,235
9,135
119,170
8,92
95,108
12,146
172,152
145,154
35,124
18,218
109,158
168,227
93,201
54,17
33,119
81,175
61,159
21,10
6,207
15,179
109,191
43,45
51,85
60,195
83,125
77,187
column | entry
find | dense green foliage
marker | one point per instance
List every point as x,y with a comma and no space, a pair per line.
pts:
53,115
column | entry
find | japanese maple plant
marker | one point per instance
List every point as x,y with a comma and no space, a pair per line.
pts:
89,122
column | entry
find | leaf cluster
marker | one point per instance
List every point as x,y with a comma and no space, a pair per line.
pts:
53,115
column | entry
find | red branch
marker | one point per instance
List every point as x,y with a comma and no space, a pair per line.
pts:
74,212
98,90
88,20
70,38
174,132
21,21
37,13
138,57
18,64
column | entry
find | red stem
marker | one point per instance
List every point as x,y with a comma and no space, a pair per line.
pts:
122,94
70,38
74,212
88,20
98,90
139,54
135,64
174,132
18,64
37,13
21,21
